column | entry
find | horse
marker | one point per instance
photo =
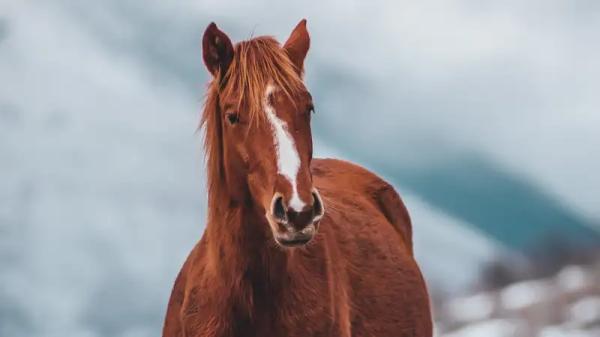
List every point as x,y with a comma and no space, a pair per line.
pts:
294,246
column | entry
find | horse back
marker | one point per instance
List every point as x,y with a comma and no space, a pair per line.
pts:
351,184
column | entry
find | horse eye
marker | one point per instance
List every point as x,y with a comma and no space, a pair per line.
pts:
311,108
233,117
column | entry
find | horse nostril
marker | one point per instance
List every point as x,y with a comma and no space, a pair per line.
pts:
279,211
317,205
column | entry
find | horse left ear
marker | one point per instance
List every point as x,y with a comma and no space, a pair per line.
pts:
297,45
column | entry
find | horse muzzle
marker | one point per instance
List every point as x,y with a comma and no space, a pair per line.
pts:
293,228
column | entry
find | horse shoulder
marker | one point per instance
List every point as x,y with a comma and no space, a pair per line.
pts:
186,296
172,325
381,194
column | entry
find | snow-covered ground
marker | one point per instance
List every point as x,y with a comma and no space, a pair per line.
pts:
566,305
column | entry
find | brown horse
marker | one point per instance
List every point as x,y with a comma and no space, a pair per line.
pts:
294,246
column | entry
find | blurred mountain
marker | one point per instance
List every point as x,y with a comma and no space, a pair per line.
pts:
513,211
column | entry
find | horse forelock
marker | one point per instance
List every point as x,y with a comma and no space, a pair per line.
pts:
258,63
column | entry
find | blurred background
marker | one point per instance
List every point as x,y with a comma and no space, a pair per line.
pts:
484,116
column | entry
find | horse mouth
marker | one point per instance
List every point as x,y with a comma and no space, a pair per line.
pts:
288,237
296,242
294,239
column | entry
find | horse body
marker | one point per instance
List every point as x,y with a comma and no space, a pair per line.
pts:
272,261
357,278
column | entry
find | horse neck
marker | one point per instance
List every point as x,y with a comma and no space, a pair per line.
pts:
239,244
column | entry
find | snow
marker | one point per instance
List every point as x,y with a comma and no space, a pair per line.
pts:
573,278
585,311
490,328
523,294
472,308
557,331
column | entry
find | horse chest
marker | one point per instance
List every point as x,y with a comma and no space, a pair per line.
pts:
301,310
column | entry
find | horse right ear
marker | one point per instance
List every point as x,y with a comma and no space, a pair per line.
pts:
297,45
217,50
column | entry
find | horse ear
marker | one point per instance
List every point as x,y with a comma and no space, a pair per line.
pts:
297,45
217,50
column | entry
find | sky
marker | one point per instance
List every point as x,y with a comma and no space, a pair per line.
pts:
483,116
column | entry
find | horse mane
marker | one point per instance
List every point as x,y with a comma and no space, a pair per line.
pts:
256,64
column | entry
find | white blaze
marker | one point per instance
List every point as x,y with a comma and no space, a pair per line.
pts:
288,161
